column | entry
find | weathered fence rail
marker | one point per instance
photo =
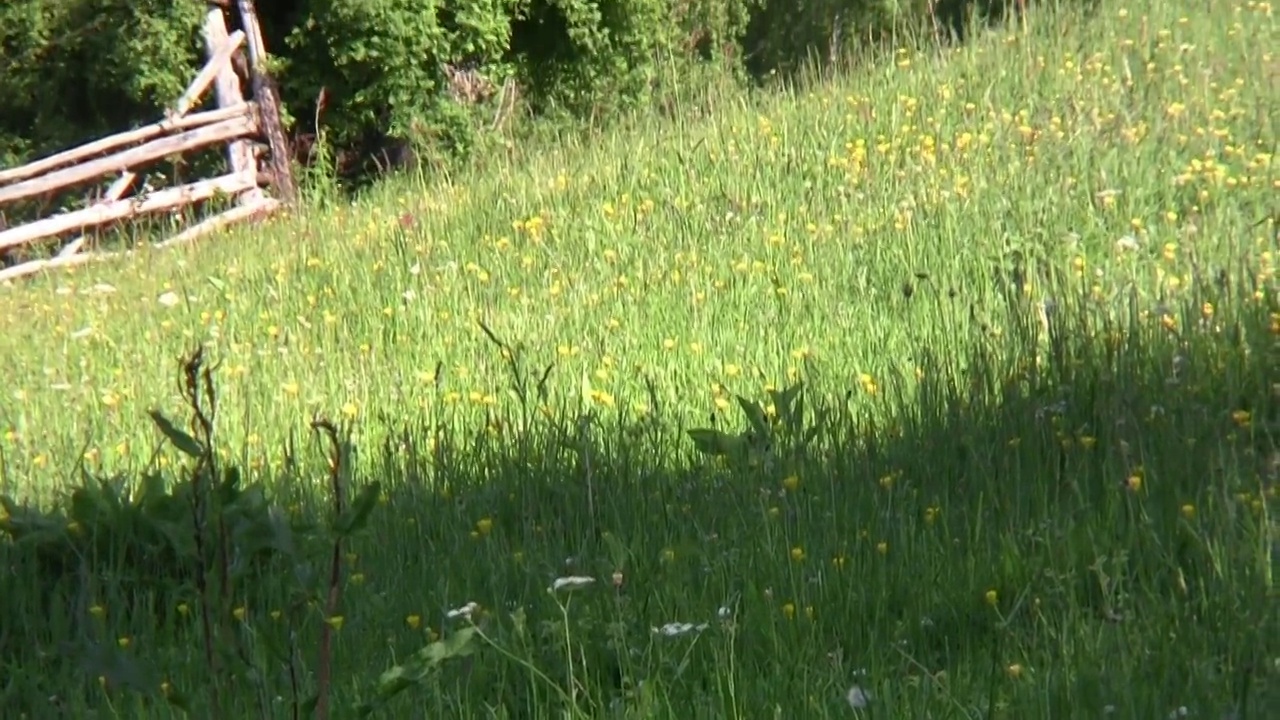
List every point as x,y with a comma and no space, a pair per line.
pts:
250,129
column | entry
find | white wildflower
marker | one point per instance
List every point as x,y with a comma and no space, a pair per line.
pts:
857,697
463,612
571,582
1128,243
169,299
675,629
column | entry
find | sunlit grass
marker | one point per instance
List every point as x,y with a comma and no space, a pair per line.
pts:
967,222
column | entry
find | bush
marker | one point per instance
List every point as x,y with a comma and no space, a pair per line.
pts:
428,73
385,66
75,69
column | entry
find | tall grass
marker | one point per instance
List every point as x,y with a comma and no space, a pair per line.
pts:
1028,284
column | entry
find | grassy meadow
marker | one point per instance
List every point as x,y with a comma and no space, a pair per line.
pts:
1024,289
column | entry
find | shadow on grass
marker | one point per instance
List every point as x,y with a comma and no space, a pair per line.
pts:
1076,519
784,39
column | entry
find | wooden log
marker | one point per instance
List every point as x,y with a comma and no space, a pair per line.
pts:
73,247
227,91
114,192
111,142
34,266
262,207
268,102
154,150
219,60
234,215
107,212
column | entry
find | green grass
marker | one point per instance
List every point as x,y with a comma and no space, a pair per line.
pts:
1029,285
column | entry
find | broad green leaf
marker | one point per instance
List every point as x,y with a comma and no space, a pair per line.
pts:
417,668
790,406
354,518
180,439
755,415
714,442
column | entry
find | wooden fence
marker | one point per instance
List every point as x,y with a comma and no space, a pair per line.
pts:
260,179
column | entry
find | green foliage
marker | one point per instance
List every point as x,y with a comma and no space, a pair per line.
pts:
776,434
429,73
74,69
418,669
1046,486
383,64
207,542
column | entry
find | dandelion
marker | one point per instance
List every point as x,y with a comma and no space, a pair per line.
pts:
413,621
484,526
789,610
882,547
1189,511
868,384
791,483
239,613
992,598
797,554
1014,671
572,582
1241,418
